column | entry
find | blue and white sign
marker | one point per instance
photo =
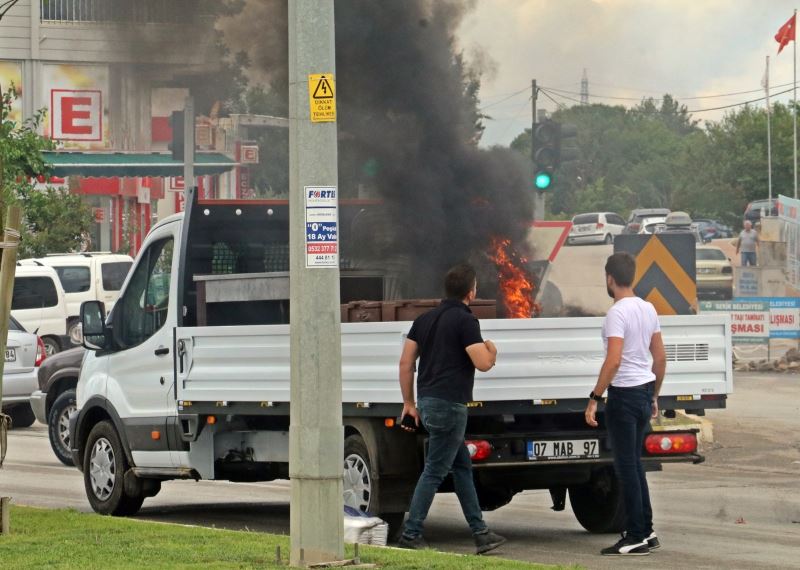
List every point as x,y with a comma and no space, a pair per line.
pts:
322,223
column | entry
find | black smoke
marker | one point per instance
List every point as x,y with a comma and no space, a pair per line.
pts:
408,131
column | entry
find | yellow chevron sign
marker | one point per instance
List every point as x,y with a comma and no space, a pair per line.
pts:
665,270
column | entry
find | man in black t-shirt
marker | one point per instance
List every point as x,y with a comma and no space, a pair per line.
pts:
448,343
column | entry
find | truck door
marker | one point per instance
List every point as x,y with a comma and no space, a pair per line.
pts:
140,371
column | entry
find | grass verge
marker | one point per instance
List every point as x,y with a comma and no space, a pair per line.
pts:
50,539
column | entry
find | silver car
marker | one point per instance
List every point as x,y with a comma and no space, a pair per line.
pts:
24,353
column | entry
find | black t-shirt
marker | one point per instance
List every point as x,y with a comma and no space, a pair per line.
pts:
445,369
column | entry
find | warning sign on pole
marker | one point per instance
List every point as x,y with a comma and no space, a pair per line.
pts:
322,97
322,221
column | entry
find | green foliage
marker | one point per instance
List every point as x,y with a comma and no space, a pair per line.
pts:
656,154
43,538
56,221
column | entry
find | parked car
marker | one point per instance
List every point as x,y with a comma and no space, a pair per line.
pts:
88,276
38,304
714,273
679,223
754,208
53,402
712,229
25,352
596,227
640,219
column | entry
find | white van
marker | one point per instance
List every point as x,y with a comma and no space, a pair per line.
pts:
39,305
89,276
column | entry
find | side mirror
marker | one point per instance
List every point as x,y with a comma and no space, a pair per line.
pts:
93,323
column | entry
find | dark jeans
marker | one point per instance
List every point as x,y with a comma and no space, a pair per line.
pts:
748,258
628,412
446,423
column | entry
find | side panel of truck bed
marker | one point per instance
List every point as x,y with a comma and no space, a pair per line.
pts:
539,359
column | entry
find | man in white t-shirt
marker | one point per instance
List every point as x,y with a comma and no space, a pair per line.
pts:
633,372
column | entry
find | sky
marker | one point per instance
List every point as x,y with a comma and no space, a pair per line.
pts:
629,48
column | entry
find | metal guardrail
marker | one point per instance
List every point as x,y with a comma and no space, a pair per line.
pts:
120,11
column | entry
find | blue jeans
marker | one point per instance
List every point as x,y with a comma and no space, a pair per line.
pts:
446,423
748,258
628,412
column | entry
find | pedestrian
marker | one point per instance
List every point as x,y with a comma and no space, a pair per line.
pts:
633,371
448,342
748,243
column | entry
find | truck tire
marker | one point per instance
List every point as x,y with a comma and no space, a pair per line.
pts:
598,505
360,489
58,425
21,416
51,345
104,468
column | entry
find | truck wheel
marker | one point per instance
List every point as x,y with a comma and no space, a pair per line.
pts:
598,505
360,489
51,345
104,467
21,416
58,426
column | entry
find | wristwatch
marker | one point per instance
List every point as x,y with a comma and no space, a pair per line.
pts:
595,397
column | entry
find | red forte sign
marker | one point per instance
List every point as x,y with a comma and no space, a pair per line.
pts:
77,115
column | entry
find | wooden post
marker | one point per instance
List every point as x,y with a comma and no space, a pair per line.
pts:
7,270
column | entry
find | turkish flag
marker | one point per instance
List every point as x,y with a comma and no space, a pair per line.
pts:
786,33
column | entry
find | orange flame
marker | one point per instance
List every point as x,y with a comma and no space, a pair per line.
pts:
516,283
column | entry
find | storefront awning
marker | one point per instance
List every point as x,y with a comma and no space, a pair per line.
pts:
132,164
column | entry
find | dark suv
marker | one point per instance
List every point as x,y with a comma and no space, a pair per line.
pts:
753,210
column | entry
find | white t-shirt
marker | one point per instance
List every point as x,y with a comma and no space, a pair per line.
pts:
635,321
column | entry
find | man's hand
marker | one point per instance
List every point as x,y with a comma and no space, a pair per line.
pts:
655,407
409,409
589,414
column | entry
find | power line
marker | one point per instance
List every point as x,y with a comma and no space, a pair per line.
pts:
546,94
512,95
620,98
739,104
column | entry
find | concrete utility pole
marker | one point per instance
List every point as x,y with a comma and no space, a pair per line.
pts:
538,195
188,146
316,434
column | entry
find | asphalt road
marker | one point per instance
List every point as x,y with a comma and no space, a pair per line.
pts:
740,509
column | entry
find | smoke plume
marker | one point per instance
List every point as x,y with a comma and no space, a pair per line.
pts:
408,131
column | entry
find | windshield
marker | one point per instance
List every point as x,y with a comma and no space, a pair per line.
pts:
710,255
585,219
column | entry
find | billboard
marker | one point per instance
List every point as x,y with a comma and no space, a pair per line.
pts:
11,74
76,96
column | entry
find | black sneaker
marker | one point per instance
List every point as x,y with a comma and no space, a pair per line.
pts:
627,547
486,541
416,543
652,541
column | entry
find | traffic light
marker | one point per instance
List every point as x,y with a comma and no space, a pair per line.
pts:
546,149
176,146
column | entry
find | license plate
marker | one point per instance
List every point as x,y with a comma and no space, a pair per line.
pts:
705,270
563,449
11,355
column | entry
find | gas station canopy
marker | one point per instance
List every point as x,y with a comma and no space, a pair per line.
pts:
132,164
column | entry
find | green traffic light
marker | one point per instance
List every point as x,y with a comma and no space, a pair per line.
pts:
543,180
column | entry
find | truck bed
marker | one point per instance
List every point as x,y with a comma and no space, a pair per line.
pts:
540,361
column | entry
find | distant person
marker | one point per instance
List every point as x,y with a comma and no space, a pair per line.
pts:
633,371
748,244
447,340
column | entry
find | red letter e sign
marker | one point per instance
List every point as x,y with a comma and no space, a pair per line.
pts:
77,115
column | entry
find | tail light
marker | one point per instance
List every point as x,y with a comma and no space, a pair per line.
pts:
666,443
479,449
41,351
634,227
727,269
599,226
